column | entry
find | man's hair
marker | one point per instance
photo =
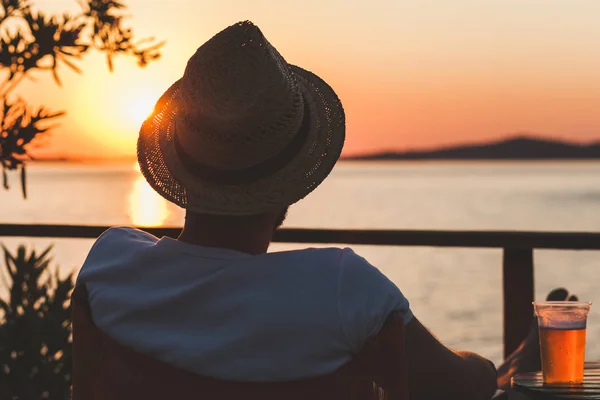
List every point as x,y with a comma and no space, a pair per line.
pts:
237,220
281,218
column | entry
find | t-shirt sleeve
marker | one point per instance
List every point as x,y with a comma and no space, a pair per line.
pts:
110,250
366,297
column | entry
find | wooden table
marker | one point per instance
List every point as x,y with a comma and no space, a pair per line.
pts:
531,386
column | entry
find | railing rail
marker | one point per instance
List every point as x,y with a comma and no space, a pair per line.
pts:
377,237
517,246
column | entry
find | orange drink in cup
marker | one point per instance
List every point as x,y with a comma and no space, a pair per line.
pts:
562,328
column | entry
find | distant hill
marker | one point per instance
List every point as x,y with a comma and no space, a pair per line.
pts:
516,148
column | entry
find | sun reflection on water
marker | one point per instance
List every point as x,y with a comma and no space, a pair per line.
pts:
146,207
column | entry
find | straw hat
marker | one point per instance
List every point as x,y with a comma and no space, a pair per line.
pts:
242,132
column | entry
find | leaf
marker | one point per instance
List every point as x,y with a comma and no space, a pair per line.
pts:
71,65
46,252
5,281
110,62
9,260
23,181
5,307
56,77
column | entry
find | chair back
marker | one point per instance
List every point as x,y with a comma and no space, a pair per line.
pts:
106,370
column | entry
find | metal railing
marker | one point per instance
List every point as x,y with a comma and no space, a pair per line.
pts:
518,247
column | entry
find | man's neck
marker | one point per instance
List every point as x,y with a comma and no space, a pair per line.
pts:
251,237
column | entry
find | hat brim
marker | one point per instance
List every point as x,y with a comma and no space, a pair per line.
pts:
164,171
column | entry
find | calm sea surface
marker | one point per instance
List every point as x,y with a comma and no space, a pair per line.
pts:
455,292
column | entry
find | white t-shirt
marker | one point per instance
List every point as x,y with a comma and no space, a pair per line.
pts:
229,315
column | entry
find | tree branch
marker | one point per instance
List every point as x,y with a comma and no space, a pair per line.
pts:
43,44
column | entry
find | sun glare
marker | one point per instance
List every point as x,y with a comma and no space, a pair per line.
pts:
146,207
141,109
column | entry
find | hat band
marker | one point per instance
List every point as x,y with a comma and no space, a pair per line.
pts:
253,173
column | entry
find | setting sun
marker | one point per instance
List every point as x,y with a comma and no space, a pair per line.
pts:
141,109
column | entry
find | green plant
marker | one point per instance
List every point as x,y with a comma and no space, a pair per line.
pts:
36,41
35,336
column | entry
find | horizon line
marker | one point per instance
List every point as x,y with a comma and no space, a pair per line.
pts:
516,136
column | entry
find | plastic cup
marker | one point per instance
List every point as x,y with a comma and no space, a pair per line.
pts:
562,328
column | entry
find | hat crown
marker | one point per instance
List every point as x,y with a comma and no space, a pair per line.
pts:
239,102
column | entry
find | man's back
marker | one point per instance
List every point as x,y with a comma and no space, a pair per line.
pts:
226,314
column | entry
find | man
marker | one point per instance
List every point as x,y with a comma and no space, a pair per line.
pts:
237,140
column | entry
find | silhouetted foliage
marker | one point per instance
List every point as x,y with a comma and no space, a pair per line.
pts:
35,317
31,40
35,335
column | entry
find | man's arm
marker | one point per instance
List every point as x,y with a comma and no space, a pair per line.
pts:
436,372
367,298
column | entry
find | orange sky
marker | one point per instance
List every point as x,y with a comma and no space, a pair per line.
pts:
409,73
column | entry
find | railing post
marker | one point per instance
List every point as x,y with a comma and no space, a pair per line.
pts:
518,296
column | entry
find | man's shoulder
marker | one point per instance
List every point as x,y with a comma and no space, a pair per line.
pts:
337,255
338,259
115,244
123,235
